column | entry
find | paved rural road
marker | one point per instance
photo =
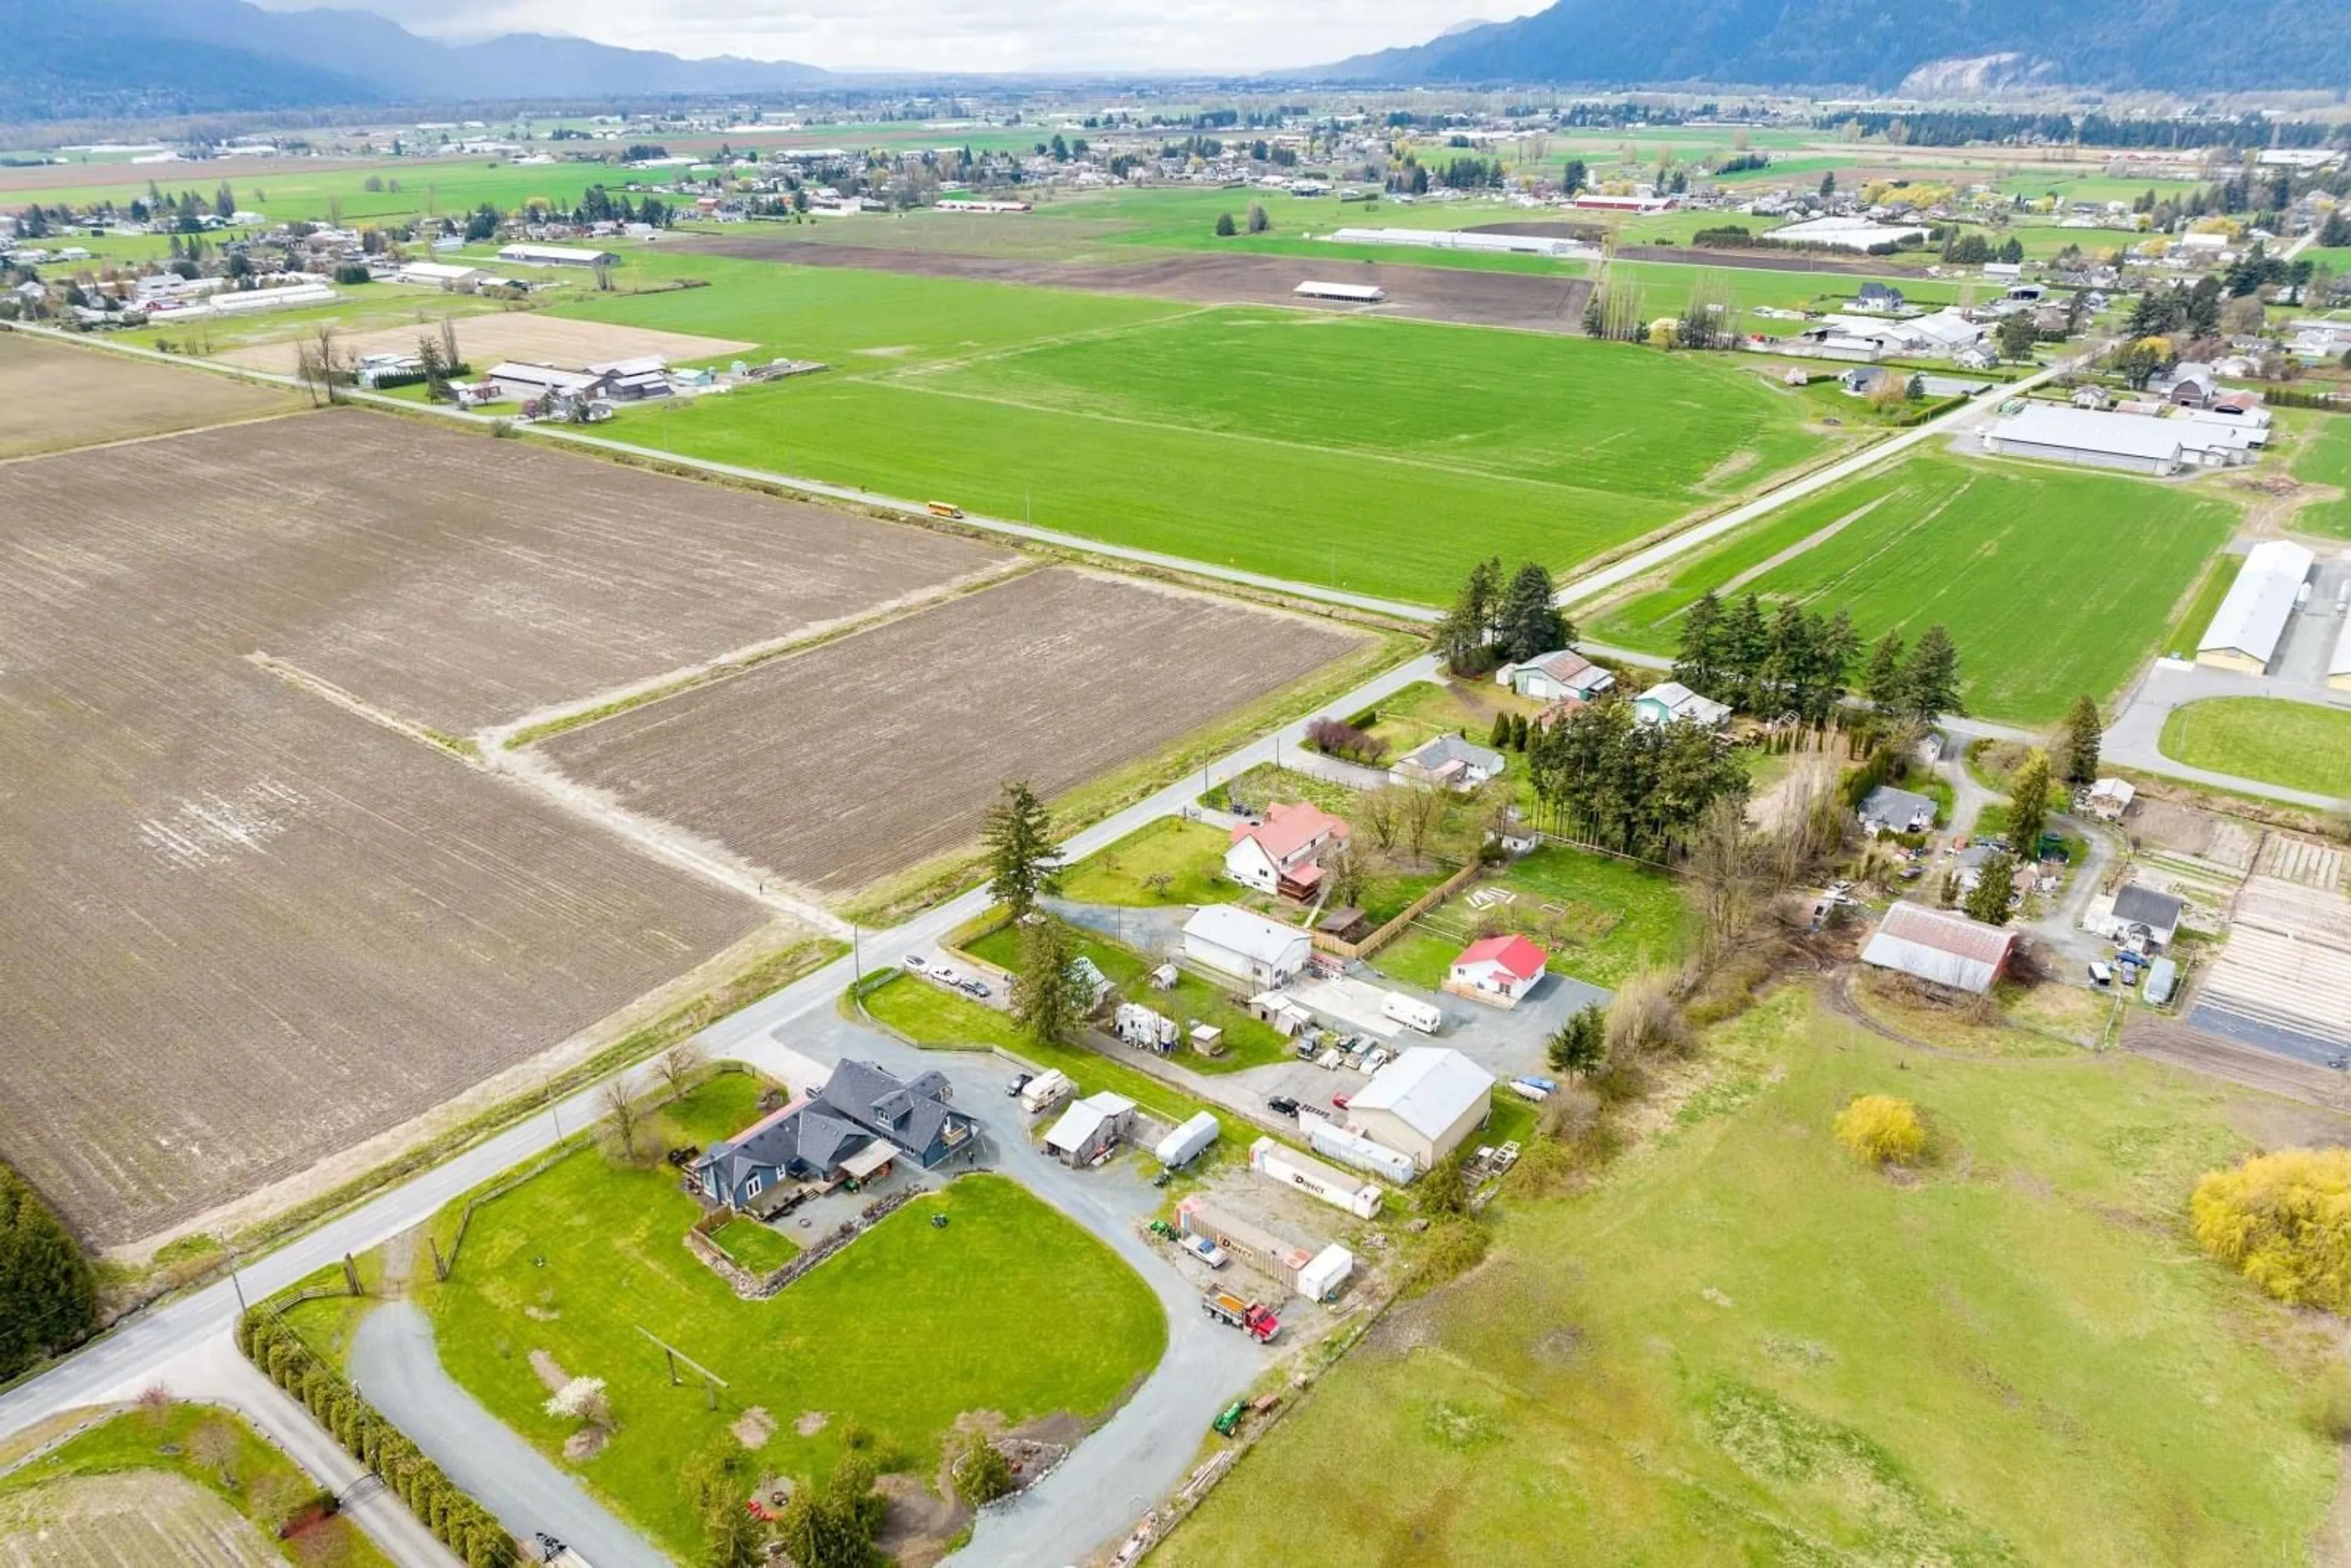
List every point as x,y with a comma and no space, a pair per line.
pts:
2134,738
394,1363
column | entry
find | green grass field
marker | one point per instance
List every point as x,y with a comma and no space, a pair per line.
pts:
2288,743
2325,459
1191,855
210,1446
2054,584
1248,1041
931,1017
1381,457
1743,1348
1599,918
860,1339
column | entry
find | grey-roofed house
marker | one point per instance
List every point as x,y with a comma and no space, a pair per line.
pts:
1886,810
1448,762
854,1128
2142,917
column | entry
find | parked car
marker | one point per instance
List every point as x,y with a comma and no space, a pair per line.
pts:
1376,1058
977,988
2101,973
1340,1101
1281,1105
1019,1082
916,962
1206,1250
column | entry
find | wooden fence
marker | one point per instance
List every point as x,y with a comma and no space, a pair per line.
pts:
1397,926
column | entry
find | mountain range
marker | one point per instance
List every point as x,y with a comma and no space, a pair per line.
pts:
106,58
2163,44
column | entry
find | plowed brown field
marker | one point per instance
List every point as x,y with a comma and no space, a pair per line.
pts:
869,755
54,396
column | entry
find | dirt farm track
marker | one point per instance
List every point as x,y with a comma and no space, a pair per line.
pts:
249,928
1430,293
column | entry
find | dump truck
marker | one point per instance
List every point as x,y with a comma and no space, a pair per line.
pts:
1254,1318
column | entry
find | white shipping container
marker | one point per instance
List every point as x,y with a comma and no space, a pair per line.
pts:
1277,1164
1186,1142
1329,1270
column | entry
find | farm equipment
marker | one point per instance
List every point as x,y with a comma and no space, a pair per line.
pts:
1229,1421
1162,1230
1254,1318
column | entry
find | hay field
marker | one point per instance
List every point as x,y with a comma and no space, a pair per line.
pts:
878,751
454,579
58,396
2054,584
529,335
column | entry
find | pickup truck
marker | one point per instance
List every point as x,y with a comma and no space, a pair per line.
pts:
1254,1318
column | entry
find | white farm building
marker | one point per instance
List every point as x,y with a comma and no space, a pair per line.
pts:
555,255
1425,1104
1246,945
2251,622
1341,293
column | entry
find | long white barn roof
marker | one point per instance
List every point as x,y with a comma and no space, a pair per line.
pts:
2253,617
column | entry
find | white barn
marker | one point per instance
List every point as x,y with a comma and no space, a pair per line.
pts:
1425,1104
2251,621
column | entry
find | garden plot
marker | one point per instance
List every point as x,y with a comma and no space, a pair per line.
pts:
60,396
453,580
835,767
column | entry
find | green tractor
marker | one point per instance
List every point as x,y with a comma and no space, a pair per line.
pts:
1229,1422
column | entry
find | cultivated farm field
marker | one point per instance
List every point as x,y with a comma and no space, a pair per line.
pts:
833,768
2053,583
58,396
530,335
1383,456
2325,459
254,928
454,579
1743,1346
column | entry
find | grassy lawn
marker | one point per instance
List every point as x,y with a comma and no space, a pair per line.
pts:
2293,744
1599,918
230,1460
2325,459
859,1339
758,1247
1745,1348
1190,855
931,1017
1248,1041
2189,630
2054,584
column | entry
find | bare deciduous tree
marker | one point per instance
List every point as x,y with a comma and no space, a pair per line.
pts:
1382,815
677,1067
623,1113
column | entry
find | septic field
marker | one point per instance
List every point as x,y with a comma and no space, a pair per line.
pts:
877,751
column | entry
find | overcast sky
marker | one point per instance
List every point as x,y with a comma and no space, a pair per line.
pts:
966,35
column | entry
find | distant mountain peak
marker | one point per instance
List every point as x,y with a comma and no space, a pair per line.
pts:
1946,50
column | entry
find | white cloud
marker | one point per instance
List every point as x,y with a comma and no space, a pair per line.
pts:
1219,36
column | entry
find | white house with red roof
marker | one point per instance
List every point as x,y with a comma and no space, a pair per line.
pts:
1497,970
1283,853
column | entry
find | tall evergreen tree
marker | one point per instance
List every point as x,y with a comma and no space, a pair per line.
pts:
1023,863
1746,645
2028,804
1581,1044
1882,684
2081,742
1929,686
1700,664
1526,621
1988,900
1462,634
1045,1000
48,1298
